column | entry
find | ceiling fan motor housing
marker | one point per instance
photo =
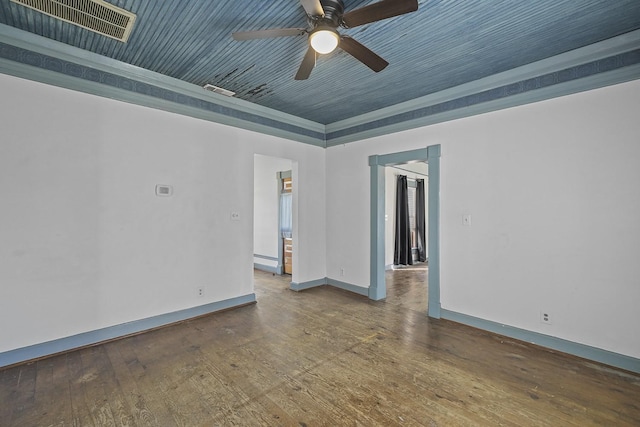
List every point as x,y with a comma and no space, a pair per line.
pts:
333,11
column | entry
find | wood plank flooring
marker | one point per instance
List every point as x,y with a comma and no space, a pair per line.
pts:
322,357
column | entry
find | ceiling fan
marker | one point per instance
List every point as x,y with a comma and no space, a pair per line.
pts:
324,17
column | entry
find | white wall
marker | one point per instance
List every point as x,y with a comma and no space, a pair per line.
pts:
84,241
266,193
553,191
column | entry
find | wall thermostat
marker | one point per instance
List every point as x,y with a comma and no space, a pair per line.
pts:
164,190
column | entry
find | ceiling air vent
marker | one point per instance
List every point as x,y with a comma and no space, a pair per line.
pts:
94,15
216,89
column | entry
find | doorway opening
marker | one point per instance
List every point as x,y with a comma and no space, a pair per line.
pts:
285,221
406,236
273,219
378,165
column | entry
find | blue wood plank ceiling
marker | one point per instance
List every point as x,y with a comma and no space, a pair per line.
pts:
444,45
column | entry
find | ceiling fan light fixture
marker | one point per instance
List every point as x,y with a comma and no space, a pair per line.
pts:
324,39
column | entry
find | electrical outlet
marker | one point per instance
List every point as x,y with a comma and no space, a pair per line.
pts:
342,271
235,216
200,292
545,317
466,219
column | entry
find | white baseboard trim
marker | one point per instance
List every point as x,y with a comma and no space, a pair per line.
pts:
84,339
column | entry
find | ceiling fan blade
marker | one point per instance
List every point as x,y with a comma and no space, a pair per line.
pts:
308,62
312,7
362,54
266,34
378,11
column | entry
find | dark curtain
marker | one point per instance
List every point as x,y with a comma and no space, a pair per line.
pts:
420,221
402,249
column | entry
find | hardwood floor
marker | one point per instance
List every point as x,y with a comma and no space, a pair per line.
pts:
407,287
318,357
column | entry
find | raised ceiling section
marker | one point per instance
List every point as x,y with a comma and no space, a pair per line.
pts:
447,60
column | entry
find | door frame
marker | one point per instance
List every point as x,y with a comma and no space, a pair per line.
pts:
377,163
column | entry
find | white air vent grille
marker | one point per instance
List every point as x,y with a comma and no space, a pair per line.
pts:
216,89
94,15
